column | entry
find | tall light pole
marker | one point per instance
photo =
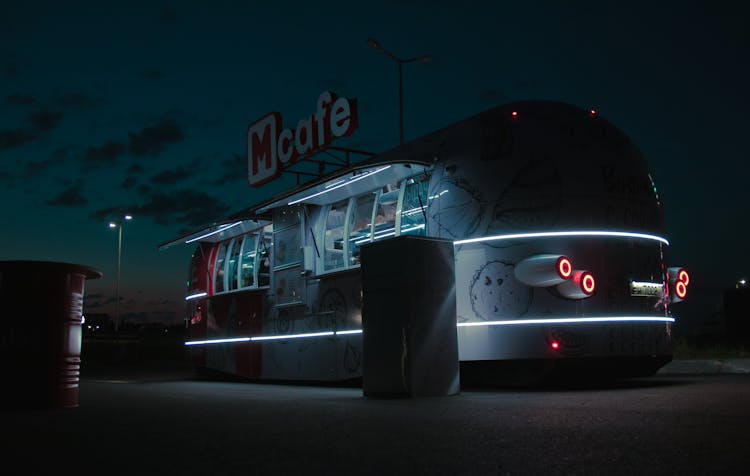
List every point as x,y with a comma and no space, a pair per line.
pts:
118,225
374,44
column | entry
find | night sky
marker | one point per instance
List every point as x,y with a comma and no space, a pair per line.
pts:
143,107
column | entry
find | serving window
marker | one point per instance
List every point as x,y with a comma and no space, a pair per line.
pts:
414,207
394,209
233,263
219,268
333,253
384,224
360,225
242,262
247,266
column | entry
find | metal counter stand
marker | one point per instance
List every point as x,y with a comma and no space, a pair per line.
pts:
410,344
40,335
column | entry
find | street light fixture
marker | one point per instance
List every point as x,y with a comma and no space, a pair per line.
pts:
374,44
118,225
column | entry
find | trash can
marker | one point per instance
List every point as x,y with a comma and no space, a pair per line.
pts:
40,332
410,342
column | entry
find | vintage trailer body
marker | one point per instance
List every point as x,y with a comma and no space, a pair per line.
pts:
560,256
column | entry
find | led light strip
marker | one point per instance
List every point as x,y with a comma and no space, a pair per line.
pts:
549,234
564,320
217,341
568,320
281,337
195,296
647,284
219,230
293,336
359,177
386,235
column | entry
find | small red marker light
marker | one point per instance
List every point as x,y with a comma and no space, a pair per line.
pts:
592,112
588,284
564,267
680,289
514,114
554,344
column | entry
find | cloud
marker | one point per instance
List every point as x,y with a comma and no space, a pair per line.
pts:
150,140
72,100
234,169
186,207
21,99
153,139
38,122
129,182
70,197
36,168
44,120
10,139
107,214
109,152
170,177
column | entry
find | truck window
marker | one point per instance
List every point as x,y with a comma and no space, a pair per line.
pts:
360,225
219,268
232,265
333,254
247,261
264,256
414,208
385,213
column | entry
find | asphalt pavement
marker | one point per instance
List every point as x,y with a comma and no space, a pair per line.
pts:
691,418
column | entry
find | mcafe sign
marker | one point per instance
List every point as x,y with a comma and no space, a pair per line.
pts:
271,149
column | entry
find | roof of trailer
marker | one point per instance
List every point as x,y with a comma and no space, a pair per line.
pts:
387,167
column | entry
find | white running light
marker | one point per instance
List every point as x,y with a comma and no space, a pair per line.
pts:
563,320
217,341
568,320
219,230
339,185
549,234
195,296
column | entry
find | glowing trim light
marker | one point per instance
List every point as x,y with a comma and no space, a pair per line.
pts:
647,284
386,235
413,211
219,230
568,320
437,195
281,337
195,296
564,320
217,341
549,234
347,182
293,336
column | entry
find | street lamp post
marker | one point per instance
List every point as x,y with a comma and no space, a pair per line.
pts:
118,225
374,44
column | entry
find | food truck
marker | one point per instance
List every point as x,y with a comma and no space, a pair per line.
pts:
560,256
